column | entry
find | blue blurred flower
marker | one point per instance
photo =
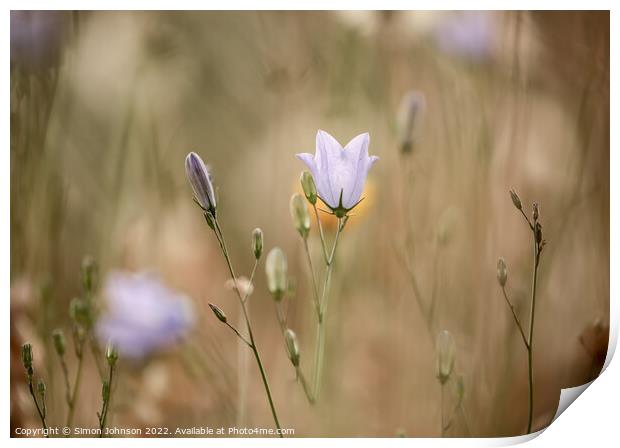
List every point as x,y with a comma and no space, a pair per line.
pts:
36,38
143,315
468,34
339,173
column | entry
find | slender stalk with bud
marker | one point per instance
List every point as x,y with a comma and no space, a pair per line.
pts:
204,196
502,276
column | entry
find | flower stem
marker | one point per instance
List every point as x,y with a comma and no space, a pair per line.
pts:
315,288
531,335
320,346
76,387
222,242
36,403
322,235
106,403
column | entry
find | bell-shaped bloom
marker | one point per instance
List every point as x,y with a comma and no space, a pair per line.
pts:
199,178
339,173
142,315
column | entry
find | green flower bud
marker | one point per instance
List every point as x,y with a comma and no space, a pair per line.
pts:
80,312
276,270
41,387
257,242
218,313
538,232
27,357
515,200
446,353
299,213
89,273
59,341
502,272
111,354
307,184
292,346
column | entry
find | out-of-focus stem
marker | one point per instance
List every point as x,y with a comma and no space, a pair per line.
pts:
531,335
222,242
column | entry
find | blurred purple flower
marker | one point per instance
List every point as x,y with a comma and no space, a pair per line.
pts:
339,173
143,315
469,34
36,38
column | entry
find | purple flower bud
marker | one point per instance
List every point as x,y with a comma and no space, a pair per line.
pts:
199,178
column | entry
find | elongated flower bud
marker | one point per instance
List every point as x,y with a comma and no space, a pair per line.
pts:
80,312
299,213
89,273
199,178
516,200
41,387
276,270
27,358
292,346
535,211
307,184
502,272
410,107
446,353
257,242
59,342
218,313
111,354
538,232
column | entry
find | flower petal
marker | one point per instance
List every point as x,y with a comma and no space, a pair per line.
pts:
357,152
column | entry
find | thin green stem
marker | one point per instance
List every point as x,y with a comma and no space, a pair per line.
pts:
315,288
516,319
222,242
239,334
106,402
36,403
322,235
76,390
305,385
65,374
320,346
537,249
443,425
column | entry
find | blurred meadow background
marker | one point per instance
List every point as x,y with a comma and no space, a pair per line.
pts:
106,105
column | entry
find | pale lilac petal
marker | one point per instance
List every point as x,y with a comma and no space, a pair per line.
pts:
339,172
357,152
327,151
367,163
